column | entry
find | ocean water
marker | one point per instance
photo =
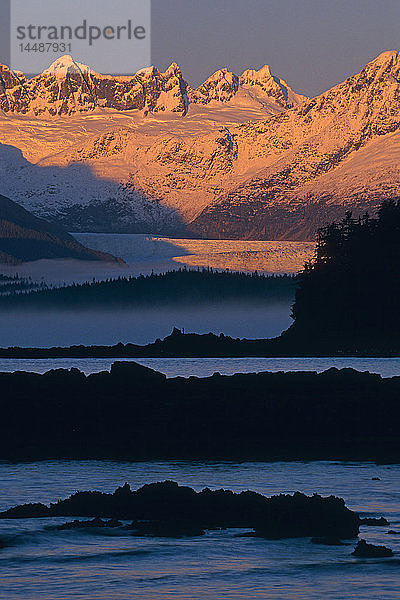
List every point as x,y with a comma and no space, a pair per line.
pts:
40,563
204,367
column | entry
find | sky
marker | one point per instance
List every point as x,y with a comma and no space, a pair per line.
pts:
312,44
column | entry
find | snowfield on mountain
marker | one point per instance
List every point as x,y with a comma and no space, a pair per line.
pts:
240,157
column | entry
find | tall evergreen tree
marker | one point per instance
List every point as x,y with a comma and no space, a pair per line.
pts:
348,294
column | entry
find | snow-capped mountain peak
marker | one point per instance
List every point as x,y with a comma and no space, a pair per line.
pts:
221,86
381,67
263,74
253,88
174,69
384,57
251,159
271,85
68,87
151,71
66,64
162,92
372,95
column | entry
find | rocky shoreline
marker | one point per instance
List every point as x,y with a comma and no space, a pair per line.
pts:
208,345
136,413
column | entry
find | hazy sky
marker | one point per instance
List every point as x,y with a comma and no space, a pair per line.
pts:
313,44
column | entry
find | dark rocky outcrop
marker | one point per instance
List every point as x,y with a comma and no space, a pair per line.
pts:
31,510
169,510
24,237
193,345
137,413
365,550
92,523
299,516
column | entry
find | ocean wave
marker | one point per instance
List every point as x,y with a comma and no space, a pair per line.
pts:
62,558
350,563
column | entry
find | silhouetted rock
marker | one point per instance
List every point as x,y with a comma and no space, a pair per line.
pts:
373,522
328,541
96,522
27,511
113,523
300,515
169,510
133,371
136,413
393,532
365,550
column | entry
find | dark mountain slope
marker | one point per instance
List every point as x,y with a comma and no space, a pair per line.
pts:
24,237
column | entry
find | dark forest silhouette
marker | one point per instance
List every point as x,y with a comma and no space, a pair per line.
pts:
181,286
348,295
14,284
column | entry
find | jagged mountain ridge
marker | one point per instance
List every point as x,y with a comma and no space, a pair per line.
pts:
68,87
272,178
335,158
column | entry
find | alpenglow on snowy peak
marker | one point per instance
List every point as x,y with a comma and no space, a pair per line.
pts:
260,86
67,87
66,65
229,169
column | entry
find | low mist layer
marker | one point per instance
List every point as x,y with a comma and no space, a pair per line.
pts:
138,325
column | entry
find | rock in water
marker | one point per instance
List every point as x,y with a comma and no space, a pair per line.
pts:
171,510
96,522
365,550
